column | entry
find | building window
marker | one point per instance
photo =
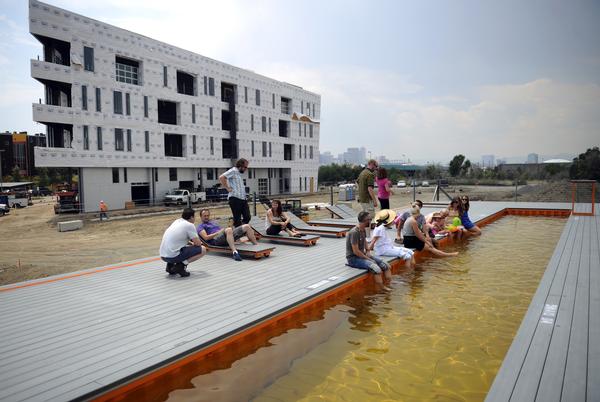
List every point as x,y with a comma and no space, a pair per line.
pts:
299,151
263,121
147,141
155,174
212,146
165,80
270,150
302,107
99,138
115,172
252,148
127,70
258,97
310,131
86,138
305,129
83,97
311,152
88,58
245,94
193,114
118,102
128,140
145,106
269,124
194,144
186,83
300,129
210,116
173,145
205,85
263,186
124,175
305,152
168,112
300,183
119,139
211,86
127,104
308,108
264,149
305,186
98,100
172,174
273,101
209,174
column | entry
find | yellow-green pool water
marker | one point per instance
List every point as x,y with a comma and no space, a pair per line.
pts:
440,334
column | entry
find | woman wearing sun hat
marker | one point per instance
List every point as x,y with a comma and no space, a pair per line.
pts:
382,245
414,237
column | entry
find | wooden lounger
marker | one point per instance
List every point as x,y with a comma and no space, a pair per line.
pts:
246,250
306,240
340,213
347,210
304,227
334,223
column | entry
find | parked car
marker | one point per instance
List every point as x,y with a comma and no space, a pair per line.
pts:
425,183
444,183
179,197
401,184
4,208
40,192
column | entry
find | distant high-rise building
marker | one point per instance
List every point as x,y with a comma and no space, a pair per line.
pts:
533,158
326,158
18,151
488,161
500,161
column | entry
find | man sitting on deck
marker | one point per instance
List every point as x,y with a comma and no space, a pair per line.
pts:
357,254
218,236
175,249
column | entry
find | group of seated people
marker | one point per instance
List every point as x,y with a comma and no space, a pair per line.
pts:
415,231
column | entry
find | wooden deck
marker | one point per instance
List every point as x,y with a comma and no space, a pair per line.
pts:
77,335
555,355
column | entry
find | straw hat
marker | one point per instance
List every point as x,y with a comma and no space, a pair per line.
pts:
386,216
437,215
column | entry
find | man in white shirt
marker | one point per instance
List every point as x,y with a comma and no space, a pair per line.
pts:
175,248
234,183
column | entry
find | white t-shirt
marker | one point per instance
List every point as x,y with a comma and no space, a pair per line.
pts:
384,242
177,236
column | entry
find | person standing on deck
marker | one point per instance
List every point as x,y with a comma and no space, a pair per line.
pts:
357,253
366,184
384,188
234,183
175,248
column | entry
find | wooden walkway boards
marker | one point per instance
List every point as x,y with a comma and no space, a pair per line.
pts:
77,335
555,355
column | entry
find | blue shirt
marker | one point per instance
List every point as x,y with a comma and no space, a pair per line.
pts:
236,182
210,228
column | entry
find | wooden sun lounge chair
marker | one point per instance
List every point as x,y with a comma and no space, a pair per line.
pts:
339,212
306,240
246,250
304,227
334,223
350,212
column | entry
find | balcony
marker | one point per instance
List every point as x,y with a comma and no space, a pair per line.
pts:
44,70
52,114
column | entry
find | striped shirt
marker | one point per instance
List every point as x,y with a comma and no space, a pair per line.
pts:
234,177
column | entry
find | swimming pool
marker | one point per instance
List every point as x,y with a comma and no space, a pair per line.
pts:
440,334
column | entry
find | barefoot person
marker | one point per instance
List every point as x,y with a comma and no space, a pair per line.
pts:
357,253
234,183
415,238
400,219
471,229
175,248
215,235
277,220
382,245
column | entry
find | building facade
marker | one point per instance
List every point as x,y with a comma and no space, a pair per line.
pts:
488,161
533,158
137,117
18,151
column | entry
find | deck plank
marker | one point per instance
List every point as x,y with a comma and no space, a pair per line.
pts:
593,361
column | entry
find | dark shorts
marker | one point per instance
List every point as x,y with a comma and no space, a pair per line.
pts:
184,253
413,242
467,224
221,240
274,230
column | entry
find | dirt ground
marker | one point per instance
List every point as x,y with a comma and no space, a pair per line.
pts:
31,247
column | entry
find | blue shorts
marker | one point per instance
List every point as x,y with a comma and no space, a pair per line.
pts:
467,224
184,253
375,266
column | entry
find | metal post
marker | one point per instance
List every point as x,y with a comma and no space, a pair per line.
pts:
1,150
414,183
516,188
437,190
254,196
331,195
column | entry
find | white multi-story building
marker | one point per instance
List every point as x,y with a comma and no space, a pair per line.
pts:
137,117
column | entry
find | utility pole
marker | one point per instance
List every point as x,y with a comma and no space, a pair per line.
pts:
1,150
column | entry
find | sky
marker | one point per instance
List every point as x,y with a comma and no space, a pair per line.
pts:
425,79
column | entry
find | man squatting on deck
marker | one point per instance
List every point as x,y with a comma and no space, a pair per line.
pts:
175,248
357,253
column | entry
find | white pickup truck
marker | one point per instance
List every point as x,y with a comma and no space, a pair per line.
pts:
179,197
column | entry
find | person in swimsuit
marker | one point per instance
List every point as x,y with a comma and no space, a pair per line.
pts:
471,229
415,239
455,210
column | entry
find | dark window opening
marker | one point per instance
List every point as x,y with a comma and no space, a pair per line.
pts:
57,93
55,51
263,121
59,135
172,174
145,106
147,141
117,102
124,175
127,104
284,128
98,100
210,116
127,70
212,145
257,97
165,80
86,138
173,145
194,145
245,94
288,152
128,140
193,114
229,152
84,97
186,83
273,101
119,146
226,122
115,175
88,58
99,138
205,85
211,86
167,112
227,92
264,149
286,105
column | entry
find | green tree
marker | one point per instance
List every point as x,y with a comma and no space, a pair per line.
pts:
455,165
16,174
465,168
586,165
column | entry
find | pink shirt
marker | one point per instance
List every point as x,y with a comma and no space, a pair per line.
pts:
381,192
